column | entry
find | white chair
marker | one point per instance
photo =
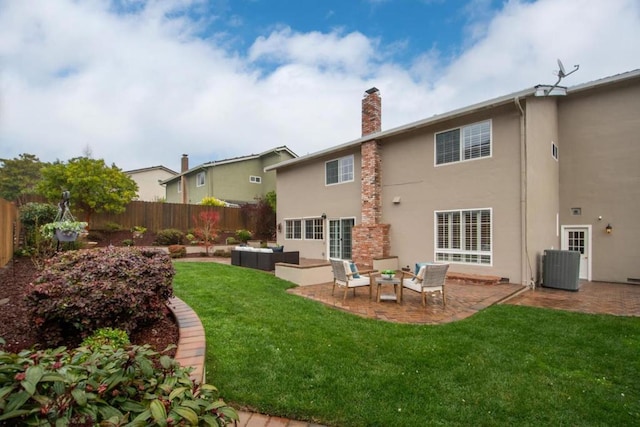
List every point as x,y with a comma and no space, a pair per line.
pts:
430,279
344,277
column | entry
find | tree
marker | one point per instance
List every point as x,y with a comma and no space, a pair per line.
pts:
94,186
19,176
206,228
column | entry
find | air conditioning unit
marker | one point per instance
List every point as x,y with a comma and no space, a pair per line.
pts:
561,270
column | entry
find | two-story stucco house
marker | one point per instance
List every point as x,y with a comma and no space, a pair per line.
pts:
149,179
238,180
486,188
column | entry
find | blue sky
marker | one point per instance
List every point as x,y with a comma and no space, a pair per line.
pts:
140,82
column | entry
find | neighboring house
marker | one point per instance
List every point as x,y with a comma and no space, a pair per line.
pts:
148,180
486,188
238,180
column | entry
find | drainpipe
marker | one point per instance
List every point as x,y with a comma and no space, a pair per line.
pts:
525,267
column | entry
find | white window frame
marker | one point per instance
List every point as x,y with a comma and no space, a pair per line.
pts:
346,170
456,249
554,150
464,137
255,179
293,229
200,179
314,228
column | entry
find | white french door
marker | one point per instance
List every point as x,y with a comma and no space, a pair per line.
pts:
340,237
578,238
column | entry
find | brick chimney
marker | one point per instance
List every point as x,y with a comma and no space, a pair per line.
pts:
371,112
370,237
184,166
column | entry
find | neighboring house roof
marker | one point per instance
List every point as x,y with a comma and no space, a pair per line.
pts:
230,160
485,105
150,169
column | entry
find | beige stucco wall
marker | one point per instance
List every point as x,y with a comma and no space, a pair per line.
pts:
302,193
149,188
600,173
542,182
409,173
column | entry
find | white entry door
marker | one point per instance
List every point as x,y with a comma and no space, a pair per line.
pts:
578,238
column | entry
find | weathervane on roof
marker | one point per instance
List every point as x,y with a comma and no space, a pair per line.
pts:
561,75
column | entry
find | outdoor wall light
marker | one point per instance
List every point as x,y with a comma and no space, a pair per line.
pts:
279,227
608,229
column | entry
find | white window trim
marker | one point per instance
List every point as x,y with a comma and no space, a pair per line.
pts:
462,251
339,160
304,228
255,179
435,145
204,178
286,228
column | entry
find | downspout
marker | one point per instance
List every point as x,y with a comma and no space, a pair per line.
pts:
525,278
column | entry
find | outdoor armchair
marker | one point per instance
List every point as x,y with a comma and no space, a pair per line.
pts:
430,279
348,278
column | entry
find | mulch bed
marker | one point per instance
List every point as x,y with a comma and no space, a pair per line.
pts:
16,326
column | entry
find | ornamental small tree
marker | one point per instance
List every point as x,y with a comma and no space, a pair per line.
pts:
206,228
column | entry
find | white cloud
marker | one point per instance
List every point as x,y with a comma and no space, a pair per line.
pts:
140,88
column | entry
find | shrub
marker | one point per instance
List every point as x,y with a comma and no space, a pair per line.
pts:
222,253
81,291
211,201
95,236
104,386
169,236
231,241
177,251
128,242
33,215
243,235
116,338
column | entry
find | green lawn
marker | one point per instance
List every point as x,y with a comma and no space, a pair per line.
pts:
288,356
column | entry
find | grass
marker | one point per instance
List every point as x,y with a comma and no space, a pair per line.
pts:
284,355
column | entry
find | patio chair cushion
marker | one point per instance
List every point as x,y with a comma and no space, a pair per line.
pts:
412,284
419,265
354,270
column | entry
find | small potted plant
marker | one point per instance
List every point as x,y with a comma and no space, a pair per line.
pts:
388,274
64,231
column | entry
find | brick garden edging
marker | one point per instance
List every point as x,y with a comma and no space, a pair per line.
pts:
191,349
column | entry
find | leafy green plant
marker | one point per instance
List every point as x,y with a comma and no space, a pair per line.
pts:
81,291
169,236
116,338
138,231
105,385
243,235
128,242
177,251
49,230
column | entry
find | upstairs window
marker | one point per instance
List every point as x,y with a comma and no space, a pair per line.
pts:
255,179
339,170
465,143
200,179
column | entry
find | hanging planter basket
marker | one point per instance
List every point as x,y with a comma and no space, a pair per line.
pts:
66,236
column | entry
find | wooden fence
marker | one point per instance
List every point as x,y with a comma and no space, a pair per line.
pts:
8,230
155,216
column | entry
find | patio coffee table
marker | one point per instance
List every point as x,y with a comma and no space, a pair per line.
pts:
380,281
